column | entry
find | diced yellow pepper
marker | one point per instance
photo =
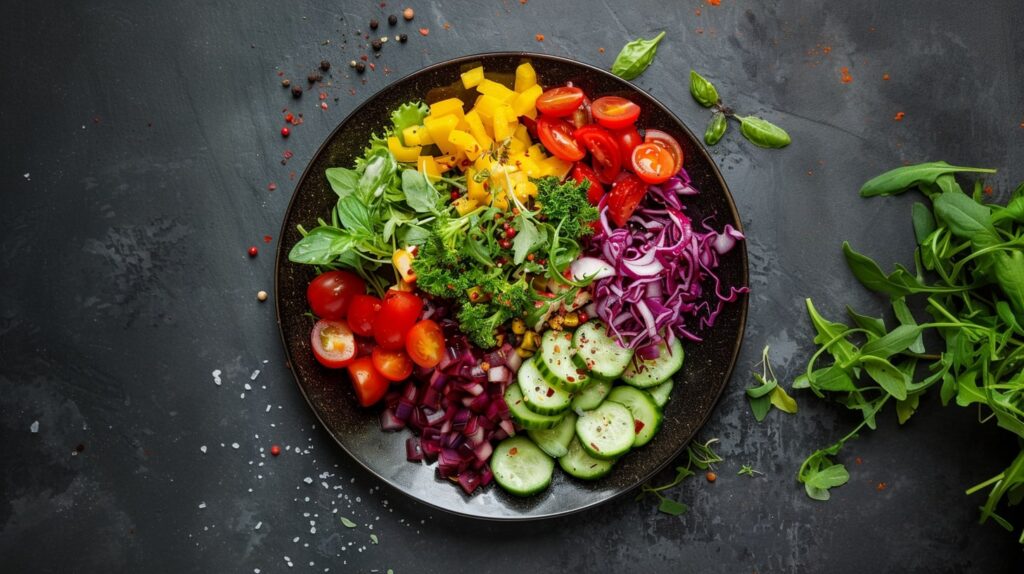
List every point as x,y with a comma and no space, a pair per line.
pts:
464,205
525,190
526,77
516,177
416,135
402,153
505,123
475,189
478,130
471,78
485,106
523,135
448,161
426,165
536,152
402,261
465,143
495,90
499,200
516,146
483,163
556,167
439,128
525,103
527,166
451,106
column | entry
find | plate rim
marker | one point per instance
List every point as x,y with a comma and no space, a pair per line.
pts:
744,298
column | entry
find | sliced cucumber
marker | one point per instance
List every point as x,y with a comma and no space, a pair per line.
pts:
523,415
556,363
607,431
646,412
520,467
541,397
599,352
578,463
661,392
645,374
591,395
556,441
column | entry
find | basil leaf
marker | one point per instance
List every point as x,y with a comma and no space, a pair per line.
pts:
903,178
716,128
354,215
412,234
819,481
704,92
760,407
321,246
763,133
378,172
635,57
924,222
343,181
891,379
1013,211
419,194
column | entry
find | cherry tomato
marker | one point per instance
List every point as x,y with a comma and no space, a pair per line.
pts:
614,112
425,343
556,135
624,197
582,172
369,385
362,313
582,115
333,343
393,365
670,144
627,138
560,102
330,293
602,147
397,315
652,163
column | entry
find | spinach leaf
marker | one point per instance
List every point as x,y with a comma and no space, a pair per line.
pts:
706,95
716,128
763,133
903,178
635,57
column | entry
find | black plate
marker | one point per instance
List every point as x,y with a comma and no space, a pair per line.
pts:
698,386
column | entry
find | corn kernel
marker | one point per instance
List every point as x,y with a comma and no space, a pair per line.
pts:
518,326
571,320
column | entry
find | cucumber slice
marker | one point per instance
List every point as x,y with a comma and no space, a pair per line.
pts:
556,441
540,397
646,413
556,363
599,352
645,374
661,392
591,395
522,415
520,467
607,431
578,463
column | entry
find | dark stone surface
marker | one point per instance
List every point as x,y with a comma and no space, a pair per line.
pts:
149,133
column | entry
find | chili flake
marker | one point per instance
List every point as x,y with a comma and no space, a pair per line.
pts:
539,37
424,31
899,116
846,77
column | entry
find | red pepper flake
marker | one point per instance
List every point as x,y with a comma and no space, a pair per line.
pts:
881,486
638,425
826,50
424,31
323,95
539,37
447,26
600,50
523,2
987,190
288,154
714,2
513,451
291,176
846,77
280,73
699,30
253,251
885,77
289,118
696,12
323,105
267,239
373,66
898,117
858,460
275,450
271,186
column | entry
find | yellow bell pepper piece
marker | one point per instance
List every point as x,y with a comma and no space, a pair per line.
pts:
471,78
495,90
451,106
465,143
416,135
483,163
527,165
485,106
402,153
525,104
536,153
402,261
464,205
439,128
499,200
505,123
556,167
478,130
475,189
516,146
525,190
426,165
523,135
526,77
448,161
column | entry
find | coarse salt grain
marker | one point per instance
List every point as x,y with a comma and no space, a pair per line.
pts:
247,387
257,527
254,374
235,445
202,449
34,427
202,505
307,480
216,377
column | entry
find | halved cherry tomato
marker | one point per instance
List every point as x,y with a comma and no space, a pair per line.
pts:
425,343
627,138
652,163
362,313
669,143
369,385
560,102
624,197
393,365
582,115
602,147
556,135
614,112
330,293
582,172
333,343
397,315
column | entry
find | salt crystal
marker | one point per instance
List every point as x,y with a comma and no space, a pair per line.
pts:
256,571
241,396
202,505
235,445
248,387
307,480
312,530
268,409
296,539
324,484
258,524
34,427
216,377
28,175
202,449
254,374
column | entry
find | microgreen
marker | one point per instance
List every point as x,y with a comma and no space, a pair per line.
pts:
698,455
747,470
768,393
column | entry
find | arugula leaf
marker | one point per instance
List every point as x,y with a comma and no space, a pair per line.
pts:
891,379
829,332
903,178
966,218
672,508
873,325
527,237
924,222
905,317
824,476
895,341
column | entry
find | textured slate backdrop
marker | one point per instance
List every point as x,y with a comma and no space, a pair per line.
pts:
139,142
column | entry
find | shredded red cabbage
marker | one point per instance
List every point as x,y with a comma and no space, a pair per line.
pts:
665,284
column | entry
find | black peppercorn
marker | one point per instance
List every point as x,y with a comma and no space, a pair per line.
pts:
285,83
374,23
325,65
403,38
296,92
376,45
392,20
314,77
360,67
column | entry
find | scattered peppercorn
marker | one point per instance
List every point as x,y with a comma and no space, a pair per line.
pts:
285,132
403,38
275,450
314,77
285,83
711,476
325,65
253,251
352,64
376,44
408,13
360,67
262,296
392,20
296,92
374,23
455,195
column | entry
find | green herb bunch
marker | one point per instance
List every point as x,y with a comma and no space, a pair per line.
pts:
759,132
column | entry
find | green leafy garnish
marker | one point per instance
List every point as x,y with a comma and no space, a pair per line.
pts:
635,57
698,455
347,523
407,115
768,393
747,470
758,131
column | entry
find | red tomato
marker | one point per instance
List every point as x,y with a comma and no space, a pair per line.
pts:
582,172
624,197
333,343
330,293
393,365
627,138
556,135
582,115
652,163
362,313
425,343
670,144
560,102
602,147
397,315
614,112
368,384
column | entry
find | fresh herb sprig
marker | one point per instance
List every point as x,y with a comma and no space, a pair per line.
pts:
698,455
748,470
759,132
769,392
